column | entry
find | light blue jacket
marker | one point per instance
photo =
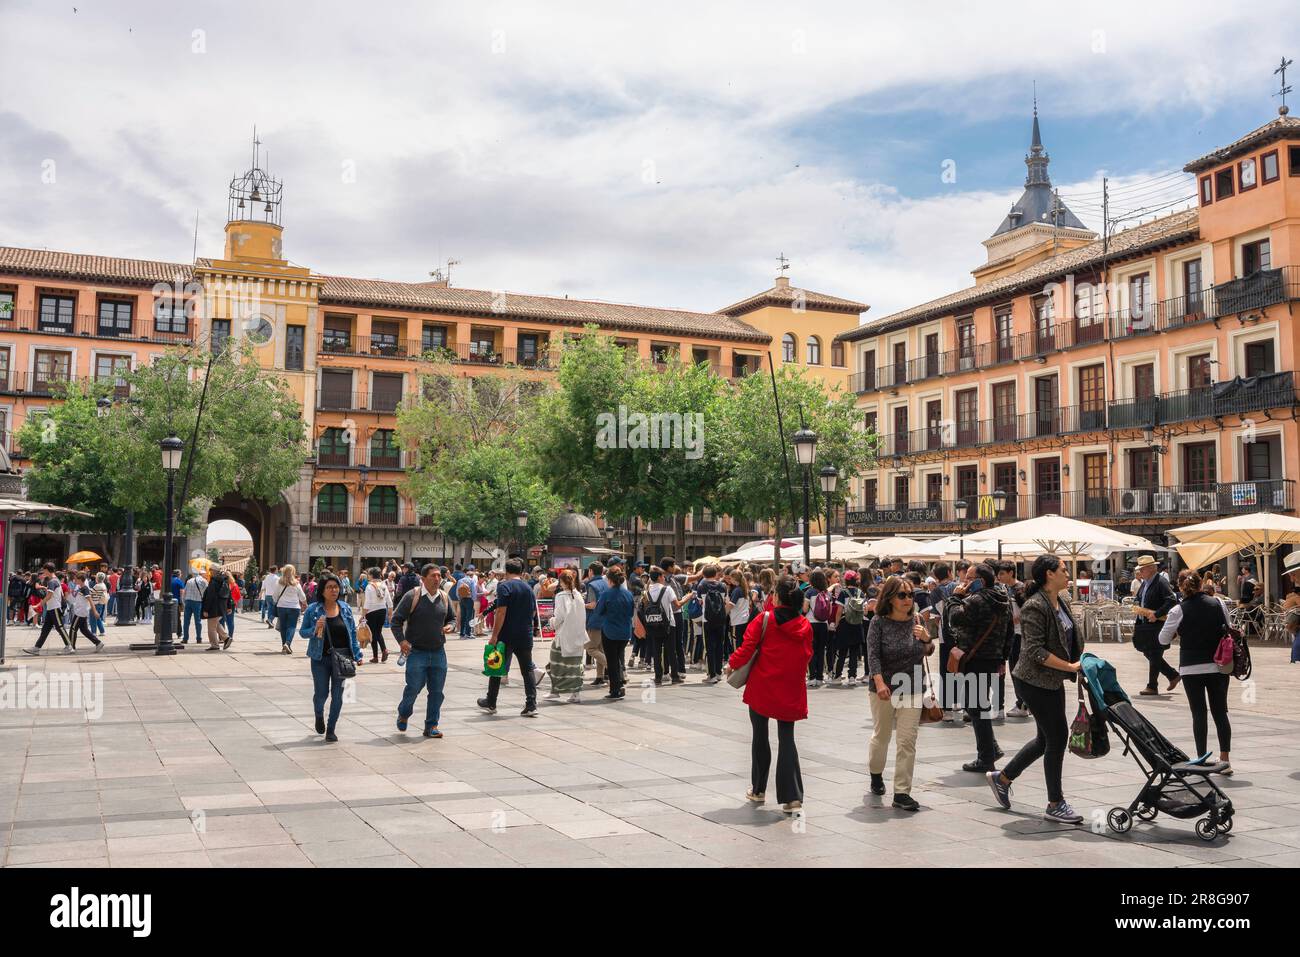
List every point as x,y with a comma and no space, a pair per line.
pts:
315,645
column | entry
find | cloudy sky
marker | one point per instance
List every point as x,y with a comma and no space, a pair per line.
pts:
655,153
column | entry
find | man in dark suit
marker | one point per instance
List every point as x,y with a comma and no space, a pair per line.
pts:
1154,600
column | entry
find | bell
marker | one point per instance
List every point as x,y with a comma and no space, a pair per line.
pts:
241,202
256,196
268,207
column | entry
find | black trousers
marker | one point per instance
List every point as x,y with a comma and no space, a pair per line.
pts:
1048,708
53,620
679,647
1011,665
79,625
715,635
375,619
525,658
978,694
1156,664
943,686
789,782
821,639
614,651
1211,689
663,651
851,654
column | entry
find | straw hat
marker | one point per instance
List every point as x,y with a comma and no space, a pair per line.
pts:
1145,560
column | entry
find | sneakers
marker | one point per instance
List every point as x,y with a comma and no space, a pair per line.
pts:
432,733
950,716
598,682
1146,692
1226,771
1001,792
1062,813
905,802
753,798
31,651
331,736
552,696
99,646
286,650
573,699
815,683
225,644
977,766
793,807
68,650
877,784
401,724
1017,712
852,682
530,711
485,706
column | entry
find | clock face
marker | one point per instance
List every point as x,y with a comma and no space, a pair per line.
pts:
258,329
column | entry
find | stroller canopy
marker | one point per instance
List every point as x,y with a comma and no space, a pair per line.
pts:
1102,682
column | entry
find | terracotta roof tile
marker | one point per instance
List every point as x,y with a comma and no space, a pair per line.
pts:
1130,242
45,262
1279,128
785,295
342,290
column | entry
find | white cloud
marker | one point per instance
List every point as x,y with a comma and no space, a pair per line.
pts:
518,137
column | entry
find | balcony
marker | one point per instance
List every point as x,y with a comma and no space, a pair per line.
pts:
1167,504
1233,397
343,458
338,400
41,384
358,515
162,329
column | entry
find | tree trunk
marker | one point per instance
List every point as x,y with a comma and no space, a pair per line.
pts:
776,541
679,538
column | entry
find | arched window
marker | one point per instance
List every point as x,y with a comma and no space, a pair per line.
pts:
837,353
332,505
814,351
383,505
789,348
333,449
384,453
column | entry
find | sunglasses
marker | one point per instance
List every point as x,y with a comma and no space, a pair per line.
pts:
904,594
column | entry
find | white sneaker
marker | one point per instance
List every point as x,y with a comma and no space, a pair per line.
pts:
552,696
1063,814
31,651
573,699
950,716
852,682
68,650
99,647
1017,712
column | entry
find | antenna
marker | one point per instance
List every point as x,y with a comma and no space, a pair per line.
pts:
196,235
782,263
1283,110
450,263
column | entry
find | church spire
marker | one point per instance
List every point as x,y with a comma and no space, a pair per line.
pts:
1037,158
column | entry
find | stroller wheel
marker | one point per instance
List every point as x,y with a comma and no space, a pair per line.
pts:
1146,813
1119,820
1205,830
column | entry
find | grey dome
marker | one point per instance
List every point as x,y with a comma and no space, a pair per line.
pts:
575,529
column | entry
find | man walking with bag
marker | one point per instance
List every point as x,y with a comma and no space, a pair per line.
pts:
418,625
1155,600
512,624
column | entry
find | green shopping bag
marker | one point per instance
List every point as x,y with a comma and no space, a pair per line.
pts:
495,662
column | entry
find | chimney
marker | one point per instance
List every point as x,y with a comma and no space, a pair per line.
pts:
782,282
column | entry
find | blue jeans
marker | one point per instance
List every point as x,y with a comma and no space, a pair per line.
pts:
193,612
288,623
466,615
230,624
97,625
424,668
322,676
112,604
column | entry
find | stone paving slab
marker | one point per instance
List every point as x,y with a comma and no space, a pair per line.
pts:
210,760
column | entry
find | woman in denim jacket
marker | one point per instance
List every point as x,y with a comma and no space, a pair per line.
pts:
328,626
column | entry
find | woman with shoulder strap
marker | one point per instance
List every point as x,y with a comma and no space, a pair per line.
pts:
1201,622
1049,655
376,604
290,600
330,629
570,642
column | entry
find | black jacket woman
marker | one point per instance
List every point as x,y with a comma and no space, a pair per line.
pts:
216,605
1200,622
1049,655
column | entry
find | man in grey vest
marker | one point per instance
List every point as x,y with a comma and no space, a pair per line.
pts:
418,625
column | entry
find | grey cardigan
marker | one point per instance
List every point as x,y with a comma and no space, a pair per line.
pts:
1041,636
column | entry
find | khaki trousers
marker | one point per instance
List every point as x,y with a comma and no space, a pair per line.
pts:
216,632
596,649
903,723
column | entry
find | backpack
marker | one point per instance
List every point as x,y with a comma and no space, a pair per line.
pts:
855,607
463,590
822,606
715,608
652,615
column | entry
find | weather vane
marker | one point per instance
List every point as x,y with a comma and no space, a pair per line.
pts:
783,263
1283,109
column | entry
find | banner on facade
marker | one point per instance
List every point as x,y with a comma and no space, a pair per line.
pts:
331,548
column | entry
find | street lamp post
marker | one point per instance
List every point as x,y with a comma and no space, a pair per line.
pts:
805,452
521,523
166,622
830,478
959,507
999,505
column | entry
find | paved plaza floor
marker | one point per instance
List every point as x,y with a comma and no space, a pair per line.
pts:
208,759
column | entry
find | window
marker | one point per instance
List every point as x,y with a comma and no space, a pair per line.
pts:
433,337
115,317
1255,257
1192,287
789,348
6,305
1144,381
900,363
1139,302
384,453
1199,464
1293,160
1096,483
220,333
869,421
902,490
814,346
1198,371
482,345
934,488
337,334
295,338
1262,458
56,313
334,449
528,348
169,317
1044,324
1047,486
967,417
1004,478
1268,164
900,429
1004,411
383,505
837,354
932,354
934,424
1223,183
968,487
966,342
1092,397
4,370
1046,414
51,367
869,369
335,389
1259,358
387,392
383,338
1246,174
869,494
1006,335
1207,190
1142,468
332,505
661,353
1088,321
113,369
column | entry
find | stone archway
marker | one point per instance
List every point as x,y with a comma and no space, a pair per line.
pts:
268,525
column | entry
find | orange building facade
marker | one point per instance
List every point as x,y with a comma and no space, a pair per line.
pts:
1145,381
352,351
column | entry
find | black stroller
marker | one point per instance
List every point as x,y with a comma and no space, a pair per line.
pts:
1176,784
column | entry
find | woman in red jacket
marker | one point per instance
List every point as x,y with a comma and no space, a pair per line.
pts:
777,689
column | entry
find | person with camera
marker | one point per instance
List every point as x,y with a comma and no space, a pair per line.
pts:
979,618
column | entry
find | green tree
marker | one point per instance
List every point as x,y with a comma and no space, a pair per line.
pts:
251,571
214,554
755,485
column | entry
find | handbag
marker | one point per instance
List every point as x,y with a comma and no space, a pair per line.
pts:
956,655
930,710
738,677
1236,660
495,662
363,634
1081,730
344,667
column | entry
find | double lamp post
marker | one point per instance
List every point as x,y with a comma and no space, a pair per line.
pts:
805,452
